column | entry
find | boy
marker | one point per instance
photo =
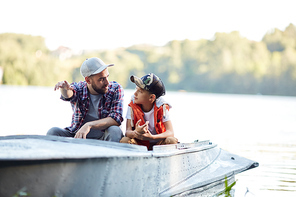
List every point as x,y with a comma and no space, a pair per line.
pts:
148,122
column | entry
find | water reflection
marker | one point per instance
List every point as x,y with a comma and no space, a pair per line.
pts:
276,175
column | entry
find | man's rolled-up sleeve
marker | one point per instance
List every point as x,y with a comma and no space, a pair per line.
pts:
117,105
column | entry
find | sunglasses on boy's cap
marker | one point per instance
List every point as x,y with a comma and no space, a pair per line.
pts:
151,83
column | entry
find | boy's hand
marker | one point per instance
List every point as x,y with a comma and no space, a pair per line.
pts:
144,136
141,129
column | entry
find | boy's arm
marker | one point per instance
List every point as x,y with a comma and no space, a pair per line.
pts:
168,133
129,131
138,130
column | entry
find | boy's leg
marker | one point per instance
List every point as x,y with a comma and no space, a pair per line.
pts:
125,140
168,140
59,132
128,140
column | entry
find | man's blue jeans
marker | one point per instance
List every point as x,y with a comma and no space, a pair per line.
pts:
113,133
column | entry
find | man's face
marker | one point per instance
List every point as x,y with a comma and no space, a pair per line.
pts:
99,82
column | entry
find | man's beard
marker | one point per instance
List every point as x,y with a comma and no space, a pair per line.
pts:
99,90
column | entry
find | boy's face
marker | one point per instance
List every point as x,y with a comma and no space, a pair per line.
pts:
142,96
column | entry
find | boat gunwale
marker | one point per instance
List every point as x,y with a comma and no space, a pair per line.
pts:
135,151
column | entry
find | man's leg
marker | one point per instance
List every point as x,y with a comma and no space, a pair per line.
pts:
59,132
95,134
113,133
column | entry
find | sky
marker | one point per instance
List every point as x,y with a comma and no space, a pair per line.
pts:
109,24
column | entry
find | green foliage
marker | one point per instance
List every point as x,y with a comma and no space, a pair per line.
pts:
26,60
227,64
22,192
278,40
227,189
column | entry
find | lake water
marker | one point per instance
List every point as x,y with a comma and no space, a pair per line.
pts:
261,128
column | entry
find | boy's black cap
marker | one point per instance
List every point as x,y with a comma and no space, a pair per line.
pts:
151,83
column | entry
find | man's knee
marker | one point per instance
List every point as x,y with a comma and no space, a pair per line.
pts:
59,132
113,133
53,131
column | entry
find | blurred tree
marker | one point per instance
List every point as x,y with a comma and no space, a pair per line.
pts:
273,40
25,60
229,63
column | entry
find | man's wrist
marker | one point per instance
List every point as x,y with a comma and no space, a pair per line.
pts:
88,125
66,93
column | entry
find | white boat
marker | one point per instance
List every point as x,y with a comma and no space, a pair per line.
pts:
60,166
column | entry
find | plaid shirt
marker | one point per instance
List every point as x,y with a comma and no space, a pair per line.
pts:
110,105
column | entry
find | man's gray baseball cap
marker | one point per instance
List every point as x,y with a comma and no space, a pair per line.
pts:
92,66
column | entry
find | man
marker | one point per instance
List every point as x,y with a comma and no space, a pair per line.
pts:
97,104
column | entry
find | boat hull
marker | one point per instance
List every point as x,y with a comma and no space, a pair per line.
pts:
57,166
